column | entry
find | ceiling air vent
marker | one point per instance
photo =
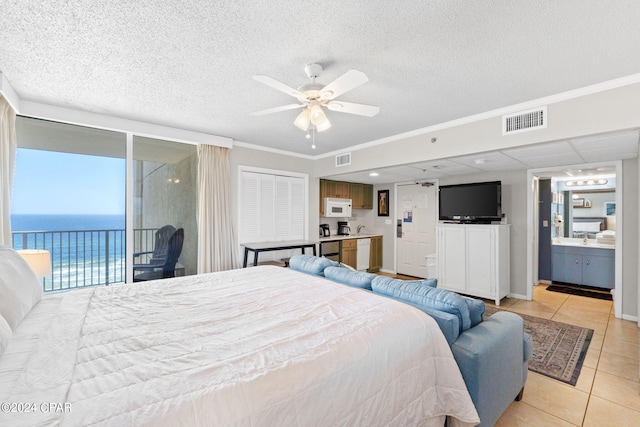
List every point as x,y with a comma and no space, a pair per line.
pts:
524,121
343,159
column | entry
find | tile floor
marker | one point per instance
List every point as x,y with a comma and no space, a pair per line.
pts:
608,389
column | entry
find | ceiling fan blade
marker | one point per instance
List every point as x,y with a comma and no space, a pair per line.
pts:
277,109
270,81
349,80
352,108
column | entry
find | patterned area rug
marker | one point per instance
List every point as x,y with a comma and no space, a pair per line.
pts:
559,349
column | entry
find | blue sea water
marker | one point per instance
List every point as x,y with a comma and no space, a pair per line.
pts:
86,250
48,222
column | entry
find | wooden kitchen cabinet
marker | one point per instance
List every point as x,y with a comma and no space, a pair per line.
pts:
361,196
349,252
375,258
337,189
333,189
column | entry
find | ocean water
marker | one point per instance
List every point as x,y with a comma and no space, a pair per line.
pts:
45,222
86,250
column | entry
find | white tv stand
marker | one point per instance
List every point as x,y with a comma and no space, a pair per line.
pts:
473,259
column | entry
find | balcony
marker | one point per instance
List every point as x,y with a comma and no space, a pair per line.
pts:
84,258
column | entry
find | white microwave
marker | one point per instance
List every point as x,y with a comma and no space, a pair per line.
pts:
337,207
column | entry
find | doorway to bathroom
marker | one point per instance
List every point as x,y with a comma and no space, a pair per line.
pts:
576,230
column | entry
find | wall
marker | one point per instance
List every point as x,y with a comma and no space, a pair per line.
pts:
597,204
630,218
388,231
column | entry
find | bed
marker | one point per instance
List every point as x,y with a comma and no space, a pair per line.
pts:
262,346
588,226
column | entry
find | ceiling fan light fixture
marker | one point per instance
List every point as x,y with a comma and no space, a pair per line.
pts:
317,115
319,118
314,96
326,124
302,121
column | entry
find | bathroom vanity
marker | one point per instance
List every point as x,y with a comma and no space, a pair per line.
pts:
591,264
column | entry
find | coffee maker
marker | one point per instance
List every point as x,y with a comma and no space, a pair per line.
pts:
343,228
324,230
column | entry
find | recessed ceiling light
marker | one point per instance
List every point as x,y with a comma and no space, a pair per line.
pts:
374,174
479,161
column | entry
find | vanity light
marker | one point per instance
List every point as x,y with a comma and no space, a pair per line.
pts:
600,181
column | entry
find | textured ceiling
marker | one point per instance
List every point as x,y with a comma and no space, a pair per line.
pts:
189,64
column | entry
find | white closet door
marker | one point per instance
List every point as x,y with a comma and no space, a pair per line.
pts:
290,208
257,215
272,207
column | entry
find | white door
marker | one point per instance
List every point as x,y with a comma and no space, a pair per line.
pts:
416,214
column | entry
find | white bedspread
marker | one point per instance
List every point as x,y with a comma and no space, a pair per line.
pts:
262,346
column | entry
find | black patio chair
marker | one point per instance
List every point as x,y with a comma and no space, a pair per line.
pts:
160,246
167,268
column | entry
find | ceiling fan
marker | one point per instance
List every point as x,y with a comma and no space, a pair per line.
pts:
314,96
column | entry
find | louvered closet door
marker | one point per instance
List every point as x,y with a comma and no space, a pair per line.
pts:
272,208
290,209
257,215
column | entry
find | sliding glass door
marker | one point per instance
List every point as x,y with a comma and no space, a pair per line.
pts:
164,200
69,198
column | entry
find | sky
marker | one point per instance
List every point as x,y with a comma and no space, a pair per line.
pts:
47,182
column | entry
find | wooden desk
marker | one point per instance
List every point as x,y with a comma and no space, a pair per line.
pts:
256,248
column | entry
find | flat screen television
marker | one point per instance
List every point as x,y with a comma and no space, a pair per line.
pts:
479,202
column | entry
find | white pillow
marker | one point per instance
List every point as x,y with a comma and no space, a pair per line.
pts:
5,334
19,287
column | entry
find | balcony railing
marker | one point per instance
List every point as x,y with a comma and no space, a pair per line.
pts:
83,258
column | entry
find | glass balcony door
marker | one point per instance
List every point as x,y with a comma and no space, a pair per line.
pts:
69,198
164,197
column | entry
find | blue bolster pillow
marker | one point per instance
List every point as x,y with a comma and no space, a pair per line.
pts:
358,279
310,264
424,296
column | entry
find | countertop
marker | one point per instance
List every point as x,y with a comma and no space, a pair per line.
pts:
591,243
351,236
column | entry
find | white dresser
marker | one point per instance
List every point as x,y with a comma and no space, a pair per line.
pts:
473,259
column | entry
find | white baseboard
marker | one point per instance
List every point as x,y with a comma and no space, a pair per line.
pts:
517,296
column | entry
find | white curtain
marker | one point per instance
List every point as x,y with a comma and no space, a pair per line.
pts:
216,244
8,146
